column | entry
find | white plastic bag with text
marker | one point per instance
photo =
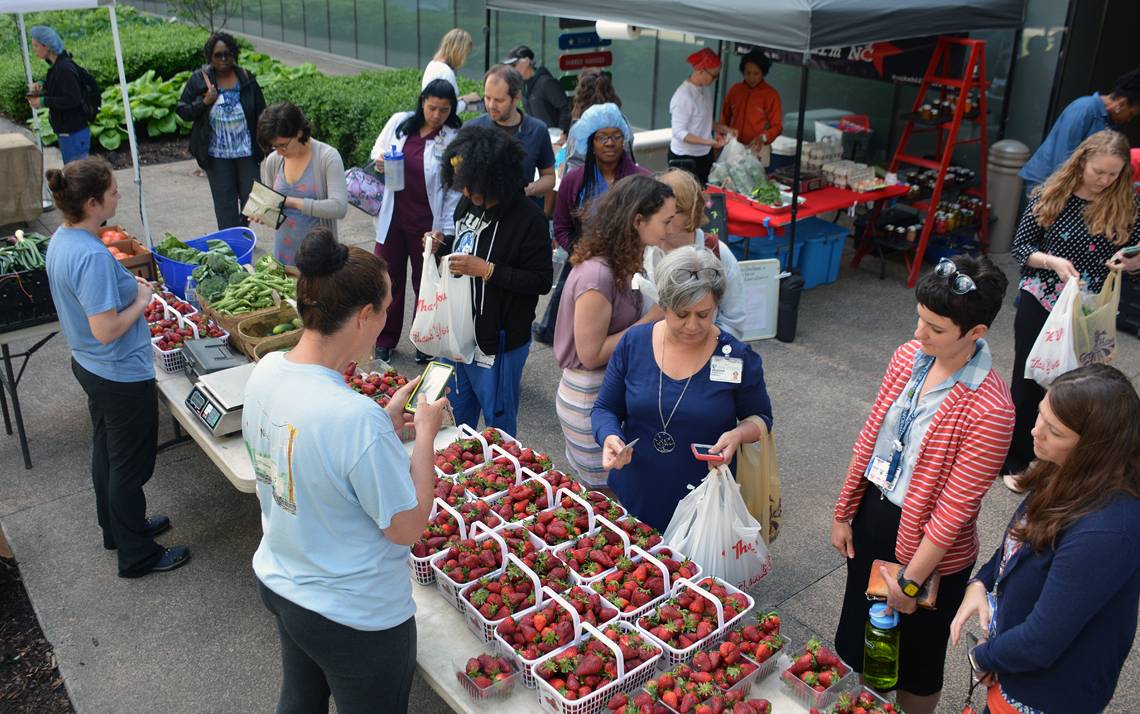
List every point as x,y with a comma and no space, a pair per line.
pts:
444,325
1054,352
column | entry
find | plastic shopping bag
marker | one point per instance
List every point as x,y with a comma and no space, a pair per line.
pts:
713,527
444,325
1094,331
1053,353
737,169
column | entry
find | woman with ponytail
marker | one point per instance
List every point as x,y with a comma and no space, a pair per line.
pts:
100,306
341,501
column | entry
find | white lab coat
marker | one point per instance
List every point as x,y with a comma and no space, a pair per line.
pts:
442,199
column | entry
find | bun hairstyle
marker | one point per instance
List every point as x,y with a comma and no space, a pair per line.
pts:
77,182
336,281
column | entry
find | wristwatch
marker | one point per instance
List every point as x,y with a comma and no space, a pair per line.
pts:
909,587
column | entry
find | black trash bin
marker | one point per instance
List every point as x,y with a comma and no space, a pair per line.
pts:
791,288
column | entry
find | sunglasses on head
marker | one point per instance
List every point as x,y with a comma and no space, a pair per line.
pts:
960,283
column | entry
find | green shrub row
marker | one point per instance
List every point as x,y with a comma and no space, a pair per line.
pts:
72,24
348,111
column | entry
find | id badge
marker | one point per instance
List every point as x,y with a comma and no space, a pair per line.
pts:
437,148
485,361
879,473
726,369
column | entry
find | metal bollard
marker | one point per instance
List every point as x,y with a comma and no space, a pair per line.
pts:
1004,188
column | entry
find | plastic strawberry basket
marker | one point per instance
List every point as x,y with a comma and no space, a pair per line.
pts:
494,452
465,432
674,657
603,524
551,700
793,685
650,556
421,569
480,626
172,361
449,588
507,650
500,689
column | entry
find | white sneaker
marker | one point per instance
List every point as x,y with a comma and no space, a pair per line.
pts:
1011,482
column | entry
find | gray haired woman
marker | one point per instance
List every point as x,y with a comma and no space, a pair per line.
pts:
677,382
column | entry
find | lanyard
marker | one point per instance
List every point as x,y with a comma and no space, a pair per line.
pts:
907,417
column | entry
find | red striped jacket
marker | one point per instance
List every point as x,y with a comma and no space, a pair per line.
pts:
961,453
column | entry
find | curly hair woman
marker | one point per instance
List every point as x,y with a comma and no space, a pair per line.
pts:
599,305
1075,225
501,239
1057,602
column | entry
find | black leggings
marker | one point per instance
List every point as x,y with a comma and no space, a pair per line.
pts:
230,183
124,416
700,165
365,671
1027,394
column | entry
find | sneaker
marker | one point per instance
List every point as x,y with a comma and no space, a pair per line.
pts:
172,558
1011,482
423,357
156,525
384,353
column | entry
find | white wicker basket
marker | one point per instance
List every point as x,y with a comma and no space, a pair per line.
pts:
674,657
421,567
507,650
449,588
480,626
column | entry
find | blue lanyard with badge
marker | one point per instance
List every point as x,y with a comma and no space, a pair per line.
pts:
885,473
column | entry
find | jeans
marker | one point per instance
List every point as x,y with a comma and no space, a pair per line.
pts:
366,672
492,390
230,184
125,419
75,146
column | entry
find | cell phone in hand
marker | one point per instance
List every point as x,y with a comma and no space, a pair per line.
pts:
703,452
1130,251
432,383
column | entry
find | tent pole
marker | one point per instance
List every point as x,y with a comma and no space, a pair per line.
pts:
799,156
487,39
45,194
130,124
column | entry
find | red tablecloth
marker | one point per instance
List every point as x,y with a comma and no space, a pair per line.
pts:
745,219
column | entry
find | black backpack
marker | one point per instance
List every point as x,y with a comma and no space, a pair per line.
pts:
92,96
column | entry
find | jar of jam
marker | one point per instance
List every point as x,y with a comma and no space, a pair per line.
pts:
927,112
912,232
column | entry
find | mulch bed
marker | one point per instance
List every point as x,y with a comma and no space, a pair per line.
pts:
151,151
30,682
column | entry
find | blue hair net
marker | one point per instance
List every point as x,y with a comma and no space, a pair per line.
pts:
47,37
600,116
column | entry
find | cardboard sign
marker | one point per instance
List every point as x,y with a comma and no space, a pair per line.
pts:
581,40
585,59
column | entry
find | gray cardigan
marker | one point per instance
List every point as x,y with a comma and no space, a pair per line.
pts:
328,175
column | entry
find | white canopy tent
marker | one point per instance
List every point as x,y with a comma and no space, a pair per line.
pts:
19,7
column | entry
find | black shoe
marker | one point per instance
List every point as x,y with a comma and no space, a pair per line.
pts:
384,353
172,558
156,525
423,357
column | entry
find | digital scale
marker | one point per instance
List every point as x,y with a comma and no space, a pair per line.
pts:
217,399
209,355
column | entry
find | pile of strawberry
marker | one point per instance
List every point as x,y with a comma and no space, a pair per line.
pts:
206,326
560,524
538,632
725,663
496,597
863,703
818,667
550,569
518,542
381,387
459,455
451,492
523,501
729,702
491,479
176,303
172,337
590,605
641,534
468,559
154,312
685,690
531,459
594,554
689,618
484,670
582,669
762,640
443,529
602,505
558,479
635,583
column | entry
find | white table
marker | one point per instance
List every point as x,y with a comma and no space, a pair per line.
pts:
10,378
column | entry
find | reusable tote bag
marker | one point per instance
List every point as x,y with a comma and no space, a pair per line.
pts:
1094,333
759,480
444,325
1053,352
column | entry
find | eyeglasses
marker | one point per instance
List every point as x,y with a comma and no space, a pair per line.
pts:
285,146
606,139
705,273
223,55
960,283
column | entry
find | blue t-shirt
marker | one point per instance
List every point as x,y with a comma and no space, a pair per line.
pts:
86,280
653,483
229,136
331,474
1080,120
535,139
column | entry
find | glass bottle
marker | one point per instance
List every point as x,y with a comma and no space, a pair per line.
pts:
881,648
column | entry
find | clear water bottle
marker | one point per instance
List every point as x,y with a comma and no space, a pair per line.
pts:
394,169
559,262
881,649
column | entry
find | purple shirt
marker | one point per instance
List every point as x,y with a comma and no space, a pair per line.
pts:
594,274
412,210
567,226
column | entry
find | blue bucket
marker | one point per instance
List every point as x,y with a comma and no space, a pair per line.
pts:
175,274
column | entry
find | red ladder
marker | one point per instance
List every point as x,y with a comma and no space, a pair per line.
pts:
938,79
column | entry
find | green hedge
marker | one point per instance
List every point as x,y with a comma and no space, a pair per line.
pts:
349,111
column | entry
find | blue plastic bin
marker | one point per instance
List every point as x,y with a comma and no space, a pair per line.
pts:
822,253
764,247
174,273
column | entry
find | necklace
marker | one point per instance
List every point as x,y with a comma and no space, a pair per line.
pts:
663,441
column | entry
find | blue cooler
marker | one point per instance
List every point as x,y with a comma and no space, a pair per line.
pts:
763,247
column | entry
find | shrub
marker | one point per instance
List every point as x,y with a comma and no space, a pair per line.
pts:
349,111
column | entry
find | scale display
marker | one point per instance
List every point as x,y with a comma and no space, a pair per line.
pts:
217,419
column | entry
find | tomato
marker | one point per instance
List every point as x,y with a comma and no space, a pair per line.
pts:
112,234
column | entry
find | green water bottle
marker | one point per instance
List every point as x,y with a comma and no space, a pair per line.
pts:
881,649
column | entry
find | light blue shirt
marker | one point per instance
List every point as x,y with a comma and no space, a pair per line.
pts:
331,474
1080,120
86,280
928,405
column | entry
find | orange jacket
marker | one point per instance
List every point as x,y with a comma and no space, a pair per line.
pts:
752,110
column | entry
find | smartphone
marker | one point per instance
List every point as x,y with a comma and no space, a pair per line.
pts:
1130,251
432,383
702,453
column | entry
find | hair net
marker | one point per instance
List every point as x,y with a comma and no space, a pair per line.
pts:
600,116
47,37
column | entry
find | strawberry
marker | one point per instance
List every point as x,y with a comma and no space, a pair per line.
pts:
484,670
467,560
550,569
498,597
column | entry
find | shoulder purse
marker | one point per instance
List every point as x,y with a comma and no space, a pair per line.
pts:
365,188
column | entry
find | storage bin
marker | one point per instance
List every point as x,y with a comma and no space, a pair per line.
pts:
174,273
25,300
762,248
822,251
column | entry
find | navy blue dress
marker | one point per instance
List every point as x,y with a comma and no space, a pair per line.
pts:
652,485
